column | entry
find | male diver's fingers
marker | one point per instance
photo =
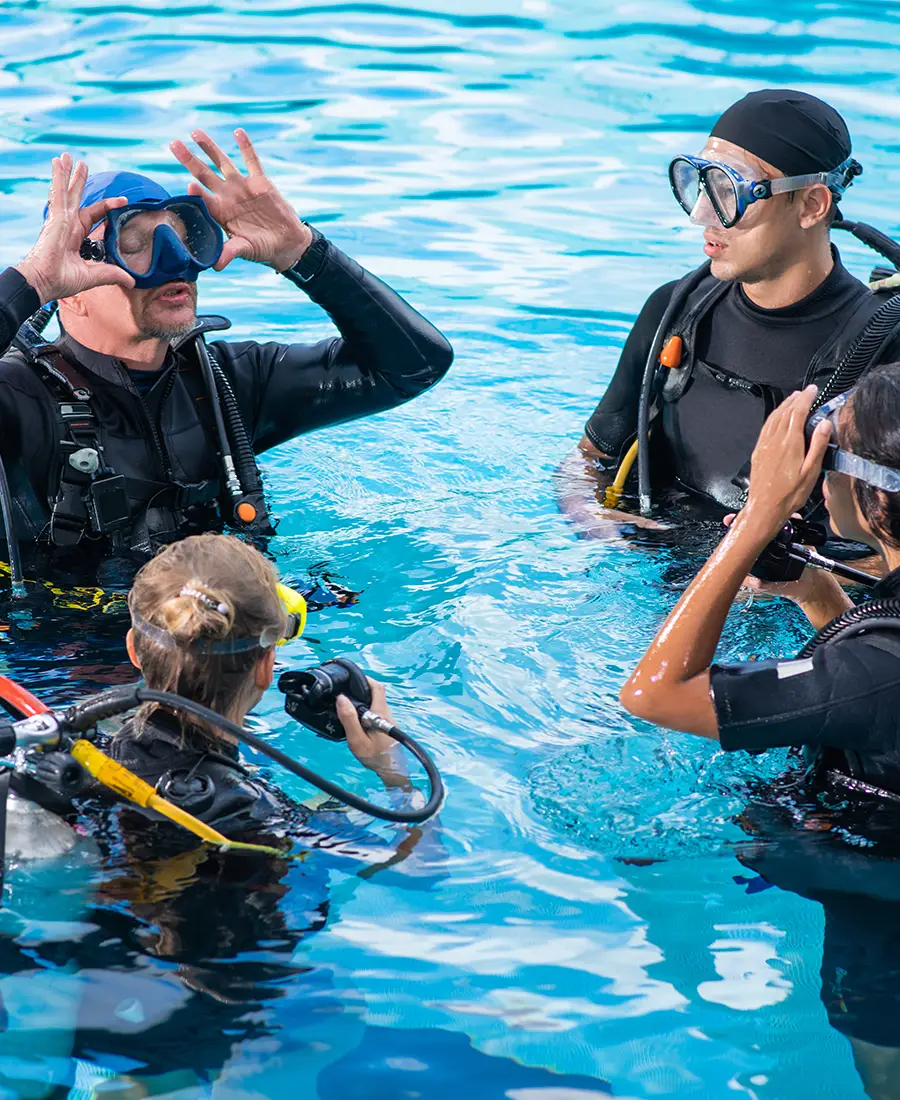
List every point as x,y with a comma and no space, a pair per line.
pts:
111,275
76,185
729,519
195,165
56,194
233,248
200,192
251,157
216,154
97,211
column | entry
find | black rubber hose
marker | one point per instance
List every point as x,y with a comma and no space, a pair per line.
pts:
643,430
208,377
819,561
14,553
871,615
87,713
876,240
244,458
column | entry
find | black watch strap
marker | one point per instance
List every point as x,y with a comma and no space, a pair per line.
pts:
310,263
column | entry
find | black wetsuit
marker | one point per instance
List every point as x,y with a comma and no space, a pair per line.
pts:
203,777
705,438
386,354
842,703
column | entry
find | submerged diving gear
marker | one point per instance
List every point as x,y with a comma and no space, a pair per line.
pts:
310,696
157,237
845,462
730,194
51,730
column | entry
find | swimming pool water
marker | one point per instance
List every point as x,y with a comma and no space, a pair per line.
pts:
578,929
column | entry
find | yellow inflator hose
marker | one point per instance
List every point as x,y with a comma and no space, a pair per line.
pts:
118,778
614,492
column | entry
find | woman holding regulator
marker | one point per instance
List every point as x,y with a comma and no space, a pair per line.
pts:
840,700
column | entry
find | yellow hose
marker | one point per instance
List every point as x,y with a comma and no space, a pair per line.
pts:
118,778
614,492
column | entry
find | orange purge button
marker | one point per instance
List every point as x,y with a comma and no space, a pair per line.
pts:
246,513
670,356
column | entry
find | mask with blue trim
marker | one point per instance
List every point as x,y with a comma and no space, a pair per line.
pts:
157,238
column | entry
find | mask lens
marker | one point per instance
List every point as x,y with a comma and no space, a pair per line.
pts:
200,234
723,195
134,238
685,180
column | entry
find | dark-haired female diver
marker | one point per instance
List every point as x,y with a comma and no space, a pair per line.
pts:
840,700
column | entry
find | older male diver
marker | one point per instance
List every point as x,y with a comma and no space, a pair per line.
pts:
128,431
772,310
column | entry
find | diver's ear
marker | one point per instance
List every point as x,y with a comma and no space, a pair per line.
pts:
74,305
265,669
132,652
815,203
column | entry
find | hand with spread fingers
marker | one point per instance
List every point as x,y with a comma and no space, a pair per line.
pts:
261,224
54,267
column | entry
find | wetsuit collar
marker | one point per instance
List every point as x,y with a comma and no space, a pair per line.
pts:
107,367
805,309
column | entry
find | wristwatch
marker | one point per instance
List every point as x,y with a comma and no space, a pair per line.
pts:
310,263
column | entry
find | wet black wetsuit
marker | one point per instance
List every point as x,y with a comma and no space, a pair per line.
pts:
842,703
385,355
706,437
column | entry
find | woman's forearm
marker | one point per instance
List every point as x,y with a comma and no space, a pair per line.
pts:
825,602
664,688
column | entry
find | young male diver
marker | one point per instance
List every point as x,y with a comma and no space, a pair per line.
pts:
840,699
772,310
128,432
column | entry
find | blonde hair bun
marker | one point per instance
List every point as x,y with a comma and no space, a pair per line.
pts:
197,613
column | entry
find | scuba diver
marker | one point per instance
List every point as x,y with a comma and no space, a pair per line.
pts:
128,431
192,965
828,830
771,310
206,615
839,698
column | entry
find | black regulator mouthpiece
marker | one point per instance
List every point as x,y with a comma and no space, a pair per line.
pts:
777,562
311,696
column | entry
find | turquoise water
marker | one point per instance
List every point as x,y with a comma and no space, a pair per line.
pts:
502,163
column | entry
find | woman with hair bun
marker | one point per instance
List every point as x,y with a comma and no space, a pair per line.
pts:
206,616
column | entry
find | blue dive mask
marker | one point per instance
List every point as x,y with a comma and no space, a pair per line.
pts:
159,240
729,194
845,462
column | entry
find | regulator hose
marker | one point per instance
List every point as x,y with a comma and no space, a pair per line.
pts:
876,240
871,615
13,549
643,431
82,716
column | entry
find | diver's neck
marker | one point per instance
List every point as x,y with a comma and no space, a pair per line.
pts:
138,353
795,282
891,557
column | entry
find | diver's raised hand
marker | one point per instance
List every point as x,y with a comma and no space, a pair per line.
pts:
261,224
782,470
374,749
54,266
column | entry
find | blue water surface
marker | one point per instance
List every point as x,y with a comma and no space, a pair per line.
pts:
576,928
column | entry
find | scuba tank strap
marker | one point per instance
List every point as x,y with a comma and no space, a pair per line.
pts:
248,498
88,495
680,294
676,379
